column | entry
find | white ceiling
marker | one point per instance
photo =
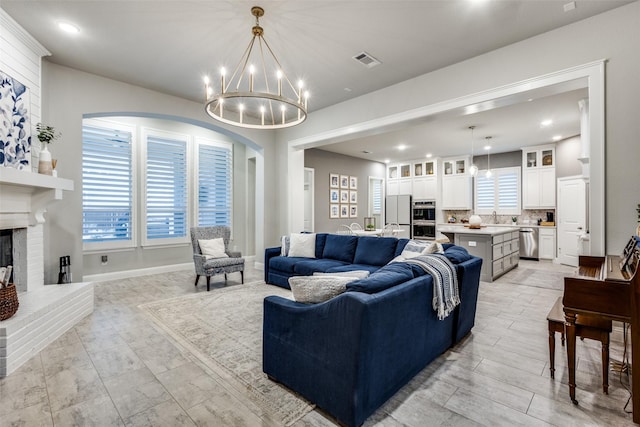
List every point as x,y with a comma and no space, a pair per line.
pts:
168,46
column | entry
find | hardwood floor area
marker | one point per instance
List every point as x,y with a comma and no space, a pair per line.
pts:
116,368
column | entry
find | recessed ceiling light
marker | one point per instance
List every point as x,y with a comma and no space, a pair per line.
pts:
546,122
387,160
402,147
487,147
557,137
347,89
429,155
68,28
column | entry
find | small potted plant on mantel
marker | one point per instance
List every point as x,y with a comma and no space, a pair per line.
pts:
46,135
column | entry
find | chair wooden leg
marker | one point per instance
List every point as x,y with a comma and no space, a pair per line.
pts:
208,282
242,277
225,277
552,351
605,363
197,279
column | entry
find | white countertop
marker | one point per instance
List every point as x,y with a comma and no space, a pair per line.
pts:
490,229
460,224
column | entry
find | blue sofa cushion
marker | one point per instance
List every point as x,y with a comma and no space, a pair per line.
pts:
284,263
401,244
351,267
340,247
375,250
306,266
457,254
388,276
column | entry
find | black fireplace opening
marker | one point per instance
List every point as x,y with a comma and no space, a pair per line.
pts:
6,249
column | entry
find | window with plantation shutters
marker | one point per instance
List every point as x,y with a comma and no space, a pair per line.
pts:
166,189
499,192
107,186
214,184
377,197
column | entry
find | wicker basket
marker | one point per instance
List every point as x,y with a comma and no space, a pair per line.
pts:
8,301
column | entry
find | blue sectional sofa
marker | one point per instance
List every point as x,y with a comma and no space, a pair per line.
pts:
350,354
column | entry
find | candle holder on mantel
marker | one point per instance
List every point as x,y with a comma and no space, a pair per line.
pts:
369,223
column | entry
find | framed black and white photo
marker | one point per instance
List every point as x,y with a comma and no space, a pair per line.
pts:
353,182
334,195
344,196
353,211
344,181
353,196
334,211
334,180
344,211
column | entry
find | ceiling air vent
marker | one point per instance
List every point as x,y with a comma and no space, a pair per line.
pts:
367,60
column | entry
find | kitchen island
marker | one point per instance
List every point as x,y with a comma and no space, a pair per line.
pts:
497,246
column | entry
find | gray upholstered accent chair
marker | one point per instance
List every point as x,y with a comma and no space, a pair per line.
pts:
212,266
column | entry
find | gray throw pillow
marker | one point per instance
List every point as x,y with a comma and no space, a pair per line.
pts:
315,289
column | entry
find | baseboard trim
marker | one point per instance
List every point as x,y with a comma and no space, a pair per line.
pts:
138,272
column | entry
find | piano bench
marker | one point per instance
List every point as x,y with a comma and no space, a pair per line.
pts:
590,327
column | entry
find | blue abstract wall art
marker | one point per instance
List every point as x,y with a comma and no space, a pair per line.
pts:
15,126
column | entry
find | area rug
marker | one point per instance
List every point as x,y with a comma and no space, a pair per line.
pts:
223,329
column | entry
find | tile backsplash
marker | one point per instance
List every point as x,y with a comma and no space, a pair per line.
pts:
528,216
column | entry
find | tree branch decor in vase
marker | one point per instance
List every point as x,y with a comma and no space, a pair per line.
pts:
638,228
46,135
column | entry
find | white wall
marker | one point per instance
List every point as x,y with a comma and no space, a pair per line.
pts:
614,36
69,94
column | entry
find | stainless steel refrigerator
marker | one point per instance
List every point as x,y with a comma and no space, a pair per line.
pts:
398,210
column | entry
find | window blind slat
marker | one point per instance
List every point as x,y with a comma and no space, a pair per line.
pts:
214,185
166,188
107,184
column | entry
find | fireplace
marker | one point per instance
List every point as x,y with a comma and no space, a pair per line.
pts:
45,312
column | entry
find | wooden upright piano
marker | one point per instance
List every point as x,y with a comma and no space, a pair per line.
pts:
608,287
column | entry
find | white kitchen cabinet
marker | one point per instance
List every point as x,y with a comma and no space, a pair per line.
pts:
538,177
425,188
456,192
547,243
457,184
405,186
392,188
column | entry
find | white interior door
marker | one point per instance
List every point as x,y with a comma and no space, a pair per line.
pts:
309,174
571,218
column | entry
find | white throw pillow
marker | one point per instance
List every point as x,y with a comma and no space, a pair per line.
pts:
302,245
315,289
358,274
212,248
414,248
434,248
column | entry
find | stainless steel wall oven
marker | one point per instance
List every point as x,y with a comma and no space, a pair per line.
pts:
423,213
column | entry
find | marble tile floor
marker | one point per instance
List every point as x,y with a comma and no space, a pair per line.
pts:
116,368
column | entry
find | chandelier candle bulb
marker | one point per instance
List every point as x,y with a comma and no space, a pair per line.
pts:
251,71
222,73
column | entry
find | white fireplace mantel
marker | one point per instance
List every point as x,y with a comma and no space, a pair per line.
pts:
25,196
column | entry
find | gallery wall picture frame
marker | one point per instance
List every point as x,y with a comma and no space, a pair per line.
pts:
353,196
334,195
334,180
344,181
334,211
353,182
344,211
344,196
353,211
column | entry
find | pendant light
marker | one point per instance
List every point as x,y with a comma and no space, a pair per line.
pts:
473,169
487,147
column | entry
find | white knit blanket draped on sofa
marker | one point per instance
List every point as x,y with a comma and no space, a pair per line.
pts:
446,295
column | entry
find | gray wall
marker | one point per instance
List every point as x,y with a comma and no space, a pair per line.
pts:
69,94
568,151
325,163
614,36
500,160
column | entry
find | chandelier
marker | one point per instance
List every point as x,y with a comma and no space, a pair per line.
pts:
259,95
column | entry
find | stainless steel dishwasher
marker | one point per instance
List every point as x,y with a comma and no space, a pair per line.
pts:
529,243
